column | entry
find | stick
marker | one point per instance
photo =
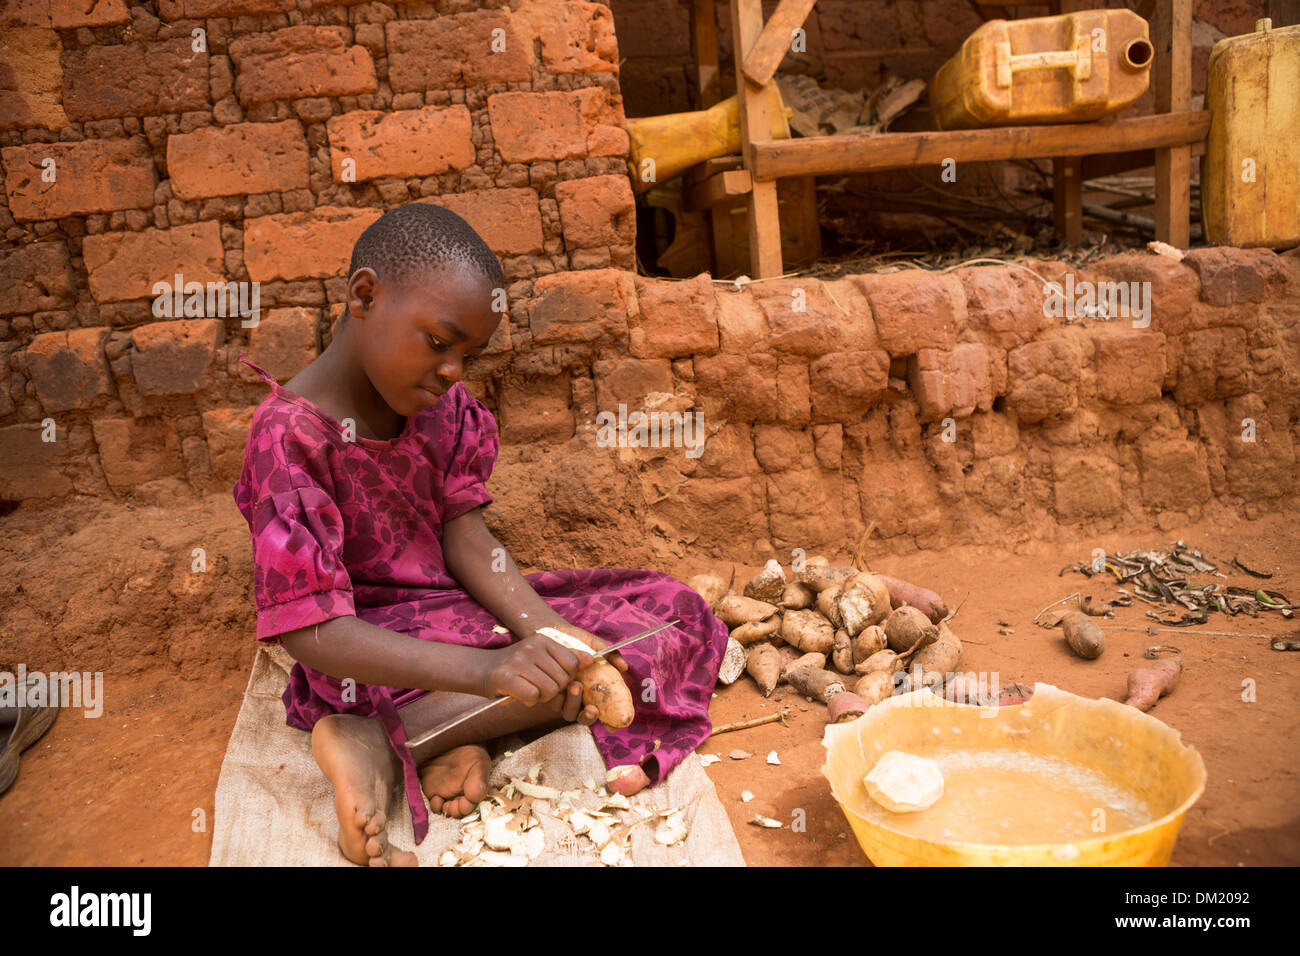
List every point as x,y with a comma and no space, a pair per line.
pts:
1176,630
857,552
746,724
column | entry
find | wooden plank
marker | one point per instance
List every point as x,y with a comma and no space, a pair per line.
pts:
1111,164
755,128
1171,35
1067,198
718,164
724,253
774,42
705,37
725,187
827,155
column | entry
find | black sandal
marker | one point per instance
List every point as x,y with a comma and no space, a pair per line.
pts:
32,724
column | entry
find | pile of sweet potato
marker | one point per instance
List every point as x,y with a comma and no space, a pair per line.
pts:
846,637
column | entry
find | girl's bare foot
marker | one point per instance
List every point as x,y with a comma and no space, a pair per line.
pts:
456,781
633,781
354,753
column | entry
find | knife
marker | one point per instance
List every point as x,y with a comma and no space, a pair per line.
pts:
481,708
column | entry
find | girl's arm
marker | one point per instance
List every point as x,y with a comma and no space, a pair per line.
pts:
348,647
486,570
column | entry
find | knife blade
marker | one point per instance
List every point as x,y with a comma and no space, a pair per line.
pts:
483,708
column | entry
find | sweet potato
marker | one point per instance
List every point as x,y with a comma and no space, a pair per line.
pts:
1014,694
936,661
1083,635
842,652
924,600
797,597
768,584
710,586
886,661
863,601
875,687
1148,684
907,628
733,662
756,631
734,610
811,659
603,685
868,642
819,577
845,707
967,689
763,663
808,631
816,683
828,605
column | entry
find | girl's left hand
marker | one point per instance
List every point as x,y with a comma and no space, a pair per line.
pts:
594,642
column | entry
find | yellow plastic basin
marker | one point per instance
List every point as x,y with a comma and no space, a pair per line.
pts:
1133,749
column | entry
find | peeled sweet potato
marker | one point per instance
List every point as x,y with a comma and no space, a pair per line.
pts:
755,631
733,662
734,610
863,601
907,628
768,584
1083,635
763,663
808,631
923,599
1148,684
603,686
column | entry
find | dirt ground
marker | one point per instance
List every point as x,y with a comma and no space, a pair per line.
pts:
136,786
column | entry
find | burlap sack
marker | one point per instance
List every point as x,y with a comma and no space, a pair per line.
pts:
275,808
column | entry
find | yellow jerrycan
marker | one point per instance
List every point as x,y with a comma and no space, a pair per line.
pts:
1070,68
666,146
1250,174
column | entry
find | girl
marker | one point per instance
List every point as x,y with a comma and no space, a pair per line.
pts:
363,487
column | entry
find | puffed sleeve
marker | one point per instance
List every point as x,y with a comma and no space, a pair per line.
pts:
299,577
467,448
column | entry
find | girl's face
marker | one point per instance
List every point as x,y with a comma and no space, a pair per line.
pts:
415,339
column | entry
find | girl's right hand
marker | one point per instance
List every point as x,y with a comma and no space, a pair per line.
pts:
533,670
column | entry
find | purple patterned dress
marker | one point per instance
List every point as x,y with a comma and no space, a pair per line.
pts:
355,527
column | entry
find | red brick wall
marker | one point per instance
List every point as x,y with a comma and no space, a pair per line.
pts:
129,152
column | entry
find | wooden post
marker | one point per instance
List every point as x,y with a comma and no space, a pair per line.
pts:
1067,172
755,126
706,54
1171,35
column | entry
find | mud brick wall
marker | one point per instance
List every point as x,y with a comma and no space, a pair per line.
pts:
232,159
852,43
826,419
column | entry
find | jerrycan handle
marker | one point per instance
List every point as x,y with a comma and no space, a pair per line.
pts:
1078,61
